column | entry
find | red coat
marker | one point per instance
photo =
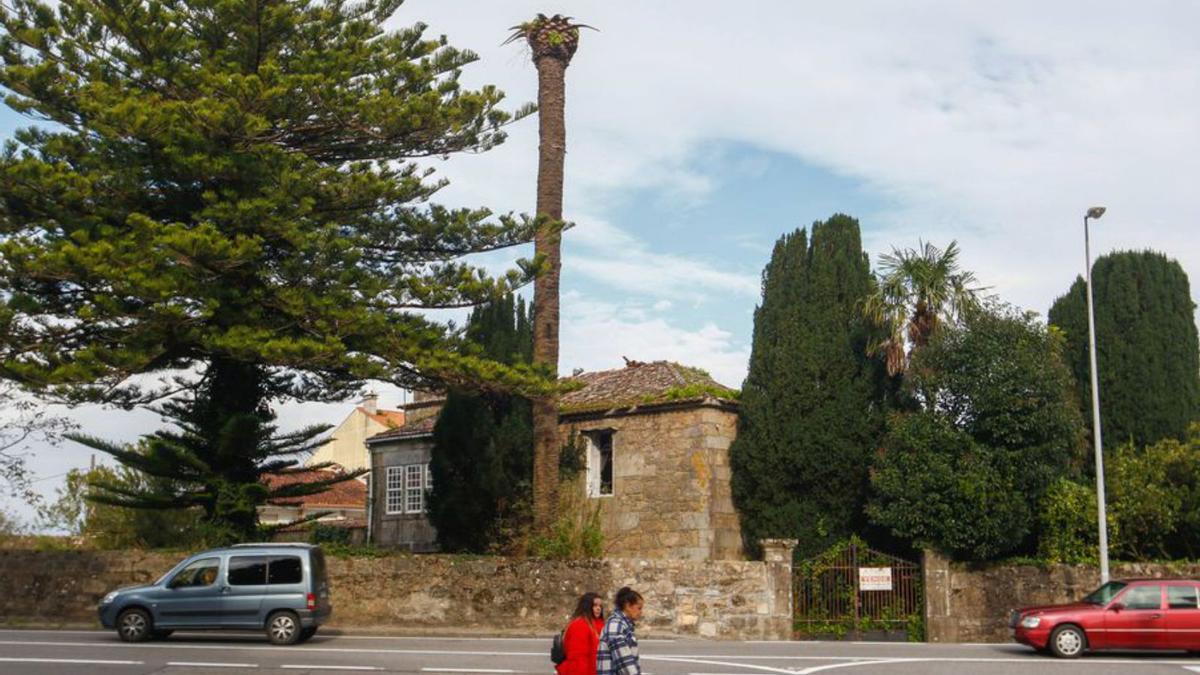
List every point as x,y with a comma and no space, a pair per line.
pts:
581,643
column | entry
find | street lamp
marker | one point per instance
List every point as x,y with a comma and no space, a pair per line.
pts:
1096,212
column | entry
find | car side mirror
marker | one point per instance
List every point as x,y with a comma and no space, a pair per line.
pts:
1117,606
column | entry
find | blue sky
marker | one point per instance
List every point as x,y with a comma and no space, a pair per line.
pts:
696,138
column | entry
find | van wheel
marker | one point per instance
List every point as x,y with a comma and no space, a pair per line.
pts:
1067,642
307,633
134,625
283,628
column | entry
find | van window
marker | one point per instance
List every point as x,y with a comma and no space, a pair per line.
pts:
284,570
318,566
200,573
248,570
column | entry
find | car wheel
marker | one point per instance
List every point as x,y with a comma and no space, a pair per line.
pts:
1067,642
283,628
161,634
307,633
134,625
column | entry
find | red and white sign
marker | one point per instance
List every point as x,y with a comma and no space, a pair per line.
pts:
874,578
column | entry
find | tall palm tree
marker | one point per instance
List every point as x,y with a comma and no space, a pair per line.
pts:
917,290
553,41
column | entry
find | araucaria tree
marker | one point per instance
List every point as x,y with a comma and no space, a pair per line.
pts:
918,291
810,415
225,203
553,41
1146,346
481,463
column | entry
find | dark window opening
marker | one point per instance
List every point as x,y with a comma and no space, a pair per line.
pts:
248,571
284,570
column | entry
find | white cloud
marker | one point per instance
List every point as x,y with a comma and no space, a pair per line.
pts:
596,334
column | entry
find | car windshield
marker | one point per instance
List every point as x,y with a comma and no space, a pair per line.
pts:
1105,593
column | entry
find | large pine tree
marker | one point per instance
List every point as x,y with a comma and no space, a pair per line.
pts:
227,194
810,414
1146,347
482,456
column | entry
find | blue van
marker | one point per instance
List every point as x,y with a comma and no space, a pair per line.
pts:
280,588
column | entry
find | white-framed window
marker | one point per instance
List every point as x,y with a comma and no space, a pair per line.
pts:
395,490
414,488
599,462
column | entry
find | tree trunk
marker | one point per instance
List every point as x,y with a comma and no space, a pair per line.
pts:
551,152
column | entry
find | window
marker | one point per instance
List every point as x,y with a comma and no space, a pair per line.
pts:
248,571
200,573
1182,597
600,463
395,489
414,488
1143,597
284,570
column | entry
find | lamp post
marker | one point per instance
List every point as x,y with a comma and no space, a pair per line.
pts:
1096,212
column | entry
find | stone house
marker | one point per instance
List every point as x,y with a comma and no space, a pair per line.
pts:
346,444
655,442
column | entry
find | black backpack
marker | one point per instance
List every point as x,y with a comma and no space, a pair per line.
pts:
558,653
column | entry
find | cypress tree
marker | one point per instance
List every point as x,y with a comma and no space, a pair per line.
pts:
1147,352
482,457
809,414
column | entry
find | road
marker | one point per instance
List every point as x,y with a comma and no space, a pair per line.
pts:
101,653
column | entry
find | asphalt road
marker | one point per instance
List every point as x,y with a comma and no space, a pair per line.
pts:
101,653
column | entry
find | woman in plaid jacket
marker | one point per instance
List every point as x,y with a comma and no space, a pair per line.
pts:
617,653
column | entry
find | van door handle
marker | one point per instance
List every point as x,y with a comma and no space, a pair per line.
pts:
225,589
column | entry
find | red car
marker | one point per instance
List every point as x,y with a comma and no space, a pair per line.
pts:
1132,614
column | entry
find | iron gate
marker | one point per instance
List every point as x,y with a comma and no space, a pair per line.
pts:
851,589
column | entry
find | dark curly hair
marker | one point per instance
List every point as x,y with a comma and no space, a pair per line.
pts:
626,597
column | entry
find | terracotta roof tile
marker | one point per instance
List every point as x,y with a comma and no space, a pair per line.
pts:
640,383
421,427
388,418
348,494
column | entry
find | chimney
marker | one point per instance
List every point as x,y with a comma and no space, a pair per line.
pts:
370,402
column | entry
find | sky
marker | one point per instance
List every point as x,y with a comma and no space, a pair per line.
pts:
700,132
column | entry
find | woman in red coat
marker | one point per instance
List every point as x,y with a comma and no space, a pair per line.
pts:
582,637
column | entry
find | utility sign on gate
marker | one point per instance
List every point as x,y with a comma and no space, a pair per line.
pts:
874,578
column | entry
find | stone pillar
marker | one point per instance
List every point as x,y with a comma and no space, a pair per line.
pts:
940,625
777,556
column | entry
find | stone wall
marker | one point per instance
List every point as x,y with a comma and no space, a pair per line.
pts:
447,594
671,482
970,603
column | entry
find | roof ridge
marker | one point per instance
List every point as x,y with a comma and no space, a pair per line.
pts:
674,369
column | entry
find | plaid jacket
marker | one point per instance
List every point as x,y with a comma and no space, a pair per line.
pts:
618,651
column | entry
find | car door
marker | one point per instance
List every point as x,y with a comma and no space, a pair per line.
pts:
245,588
285,582
191,597
1136,620
1183,617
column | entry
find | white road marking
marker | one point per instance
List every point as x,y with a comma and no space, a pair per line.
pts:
331,667
209,664
1194,669
817,669
467,670
94,662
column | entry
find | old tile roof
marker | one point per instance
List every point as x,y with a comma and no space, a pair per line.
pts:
638,384
390,419
346,494
421,427
642,384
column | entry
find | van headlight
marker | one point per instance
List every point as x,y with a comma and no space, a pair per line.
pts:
1031,622
109,598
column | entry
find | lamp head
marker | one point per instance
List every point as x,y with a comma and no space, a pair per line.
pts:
1095,212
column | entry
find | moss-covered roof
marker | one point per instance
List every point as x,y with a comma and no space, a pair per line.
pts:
642,384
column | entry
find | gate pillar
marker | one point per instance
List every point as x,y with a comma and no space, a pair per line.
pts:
777,556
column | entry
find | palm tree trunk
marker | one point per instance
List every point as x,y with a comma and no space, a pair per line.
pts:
552,147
